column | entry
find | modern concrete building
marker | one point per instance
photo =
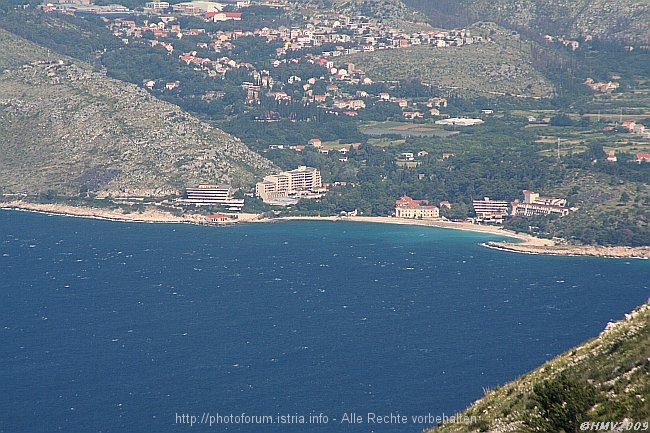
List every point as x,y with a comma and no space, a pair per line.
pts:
302,182
491,210
205,194
534,204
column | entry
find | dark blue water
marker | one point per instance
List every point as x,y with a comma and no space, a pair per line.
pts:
109,327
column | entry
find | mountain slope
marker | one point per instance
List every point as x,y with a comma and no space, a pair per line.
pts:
500,65
623,20
606,379
66,128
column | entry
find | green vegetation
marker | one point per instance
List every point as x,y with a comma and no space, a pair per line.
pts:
498,159
606,379
63,35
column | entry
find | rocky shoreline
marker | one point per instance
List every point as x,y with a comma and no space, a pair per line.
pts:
575,250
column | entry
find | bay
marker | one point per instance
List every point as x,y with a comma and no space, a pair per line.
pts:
108,326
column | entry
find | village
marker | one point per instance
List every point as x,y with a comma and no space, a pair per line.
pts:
336,87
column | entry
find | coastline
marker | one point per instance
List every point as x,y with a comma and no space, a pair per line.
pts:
528,244
574,250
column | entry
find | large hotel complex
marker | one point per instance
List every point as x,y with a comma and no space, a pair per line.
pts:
289,186
205,194
494,211
534,204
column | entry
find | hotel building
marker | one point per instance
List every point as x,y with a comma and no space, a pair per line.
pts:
302,182
534,204
406,207
205,194
490,210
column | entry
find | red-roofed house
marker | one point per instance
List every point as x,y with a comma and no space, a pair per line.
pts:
629,125
218,218
223,16
611,156
406,207
642,157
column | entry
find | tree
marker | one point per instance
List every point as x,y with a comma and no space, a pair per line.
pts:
562,403
561,120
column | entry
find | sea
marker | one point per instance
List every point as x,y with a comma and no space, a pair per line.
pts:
301,326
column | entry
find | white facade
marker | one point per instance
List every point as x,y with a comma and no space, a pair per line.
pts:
301,181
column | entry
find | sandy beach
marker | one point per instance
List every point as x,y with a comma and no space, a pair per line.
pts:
526,243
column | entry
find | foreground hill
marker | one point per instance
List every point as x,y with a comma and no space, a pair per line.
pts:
606,379
622,20
65,128
500,66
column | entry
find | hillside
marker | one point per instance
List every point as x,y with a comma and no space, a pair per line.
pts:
391,12
502,64
622,20
67,129
606,379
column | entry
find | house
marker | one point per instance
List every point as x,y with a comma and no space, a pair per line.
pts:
611,156
642,157
437,102
402,103
629,125
218,218
412,115
422,153
356,104
223,16
447,155
316,142
445,204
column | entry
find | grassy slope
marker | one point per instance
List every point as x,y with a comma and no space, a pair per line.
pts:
616,365
501,66
65,127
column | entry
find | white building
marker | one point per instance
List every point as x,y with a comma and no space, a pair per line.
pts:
211,195
534,204
301,182
406,207
459,121
490,210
